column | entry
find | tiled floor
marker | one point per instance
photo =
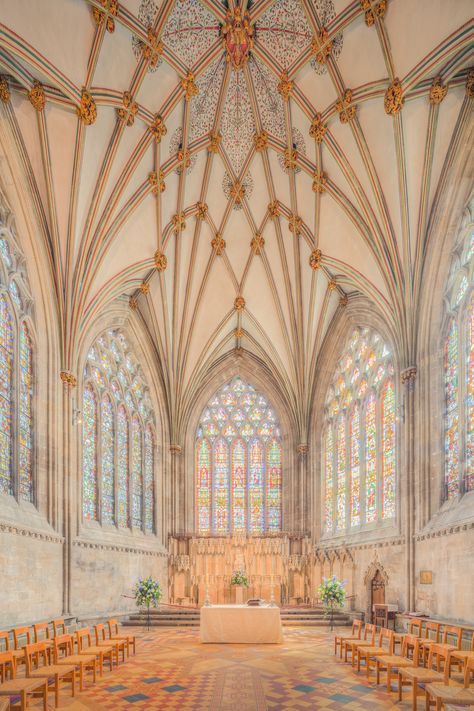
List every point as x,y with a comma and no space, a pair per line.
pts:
172,670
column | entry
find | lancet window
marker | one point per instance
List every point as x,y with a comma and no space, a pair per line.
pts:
118,437
359,443
458,365
16,373
238,456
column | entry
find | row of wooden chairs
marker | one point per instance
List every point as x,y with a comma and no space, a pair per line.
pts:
425,662
50,662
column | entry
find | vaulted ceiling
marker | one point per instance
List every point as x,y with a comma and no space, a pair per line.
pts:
237,171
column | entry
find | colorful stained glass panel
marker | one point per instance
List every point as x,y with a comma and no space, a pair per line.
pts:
6,380
26,416
89,454
388,451
107,460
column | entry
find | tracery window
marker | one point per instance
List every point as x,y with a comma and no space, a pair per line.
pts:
16,374
118,437
458,364
238,456
359,453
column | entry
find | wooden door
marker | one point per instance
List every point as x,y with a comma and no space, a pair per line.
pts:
377,592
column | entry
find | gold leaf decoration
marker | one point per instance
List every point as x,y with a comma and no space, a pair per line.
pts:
319,182
321,46
161,262
87,110
37,96
239,303
317,129
438,91
315,259
4,90
129,111
158,128
218,244
344,106
394,100
111,11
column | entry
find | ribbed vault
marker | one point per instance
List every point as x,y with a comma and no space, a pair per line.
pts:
238,172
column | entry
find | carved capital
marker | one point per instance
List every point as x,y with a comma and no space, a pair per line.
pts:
317,129
175,449
87,110
239,303
158,128
315,259
218,244
393,100
4,90
302,449
408,375
37,96
161,262
68,379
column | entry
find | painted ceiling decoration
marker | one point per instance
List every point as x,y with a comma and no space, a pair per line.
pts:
237,171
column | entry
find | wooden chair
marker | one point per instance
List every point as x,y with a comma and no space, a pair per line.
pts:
19,654
102,641
381,615
461,655
131,639
391,663
355,634
368,653
41,632
82,662
440,694
59,626
25,689
430,635
417,675
38,666
415,627
85,647
18,632
367,640
448,630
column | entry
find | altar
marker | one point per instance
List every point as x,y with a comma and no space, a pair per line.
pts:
240,624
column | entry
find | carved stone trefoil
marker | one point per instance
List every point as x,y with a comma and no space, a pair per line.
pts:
161,262
345,108
315,259
218,245
110,12
321,46
438,91
87,110
129,111
285,86
393,100
319,182
239,303
317,129
257,244
157,182
37,96
373,10
5,93
261,140
158,128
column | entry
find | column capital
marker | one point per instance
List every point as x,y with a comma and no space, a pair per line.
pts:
175,449
302,449
408,375
68,379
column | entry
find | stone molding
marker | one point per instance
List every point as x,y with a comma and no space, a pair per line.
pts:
118,548
349,548
30,533
448,530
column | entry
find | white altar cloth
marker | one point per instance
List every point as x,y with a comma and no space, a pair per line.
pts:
241,624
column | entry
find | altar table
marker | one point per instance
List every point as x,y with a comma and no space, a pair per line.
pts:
241,624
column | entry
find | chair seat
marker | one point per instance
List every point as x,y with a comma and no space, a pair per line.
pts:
462,654
14,687
4,704
96,650
77,659
422,674
105,645
373,650
130,638
451,694
51,670
394,661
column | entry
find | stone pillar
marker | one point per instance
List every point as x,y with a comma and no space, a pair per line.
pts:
408,377
301,490
69,382
176,491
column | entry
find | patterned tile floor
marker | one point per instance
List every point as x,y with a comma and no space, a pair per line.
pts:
172,670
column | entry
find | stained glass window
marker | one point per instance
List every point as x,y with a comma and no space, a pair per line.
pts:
16,377
126,426
89,453
149,478
107,459
238,460
458,365
6,379
359,437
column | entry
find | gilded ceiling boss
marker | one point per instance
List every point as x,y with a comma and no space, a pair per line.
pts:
237,37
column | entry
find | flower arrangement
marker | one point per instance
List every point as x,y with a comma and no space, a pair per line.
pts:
239,578
332,595
147,592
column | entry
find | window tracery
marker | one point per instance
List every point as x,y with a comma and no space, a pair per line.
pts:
359,451
118,437
458,365
238,463
16,374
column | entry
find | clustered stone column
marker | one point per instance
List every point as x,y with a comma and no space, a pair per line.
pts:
408,377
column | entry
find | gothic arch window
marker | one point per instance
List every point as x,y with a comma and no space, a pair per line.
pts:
458,365
359,453
16,374
118,437
238,463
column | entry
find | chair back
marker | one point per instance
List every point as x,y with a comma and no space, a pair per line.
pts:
99,631
414,627
411,648
438,654
36,655
7,659
41,630
455,632
83,638
381,615
386,635
369,633
62,642
5,641
59,626
114,628
18,632
432,631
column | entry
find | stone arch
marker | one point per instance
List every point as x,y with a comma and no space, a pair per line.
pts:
370,573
